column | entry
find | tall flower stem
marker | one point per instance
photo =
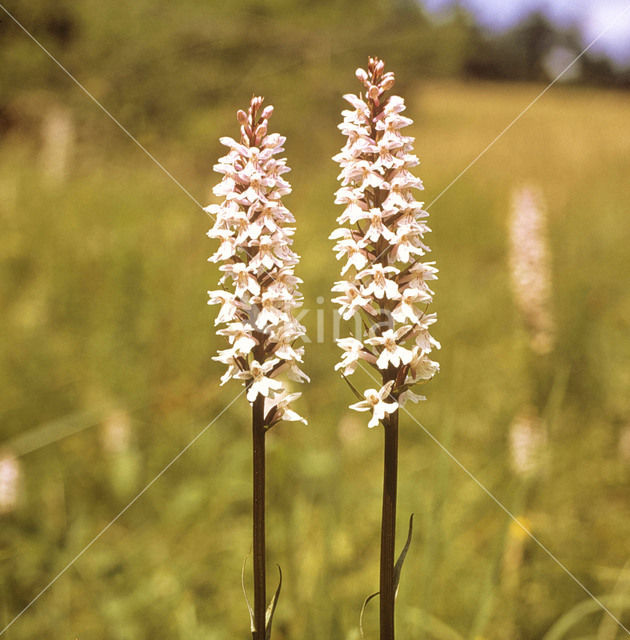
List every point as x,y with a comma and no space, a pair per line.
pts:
260,583
388,527
258,296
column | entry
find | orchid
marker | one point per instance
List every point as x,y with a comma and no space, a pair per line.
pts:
375,401
385,275
380,240
279,409
258,298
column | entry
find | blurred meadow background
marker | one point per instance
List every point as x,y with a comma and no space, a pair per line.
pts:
106,339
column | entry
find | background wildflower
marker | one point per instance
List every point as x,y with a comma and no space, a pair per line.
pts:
530,267
528,439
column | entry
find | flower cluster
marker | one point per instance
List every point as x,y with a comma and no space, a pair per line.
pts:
259,288
380,238
530,267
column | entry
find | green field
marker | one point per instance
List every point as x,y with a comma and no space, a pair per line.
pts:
104,280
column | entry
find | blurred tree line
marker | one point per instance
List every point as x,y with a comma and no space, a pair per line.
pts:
152,63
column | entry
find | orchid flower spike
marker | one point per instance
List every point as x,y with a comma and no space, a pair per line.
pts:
259,290
380,239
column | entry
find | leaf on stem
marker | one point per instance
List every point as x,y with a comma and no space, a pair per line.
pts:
249,606
401,558
272,607
365,604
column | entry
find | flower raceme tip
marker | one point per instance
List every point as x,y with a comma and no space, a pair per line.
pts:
259,293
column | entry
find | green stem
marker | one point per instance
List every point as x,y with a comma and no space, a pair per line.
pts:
388,528
258,438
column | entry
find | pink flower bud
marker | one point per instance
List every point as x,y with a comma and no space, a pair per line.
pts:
361,75
255,104
267,112
241,116
388,81
373,92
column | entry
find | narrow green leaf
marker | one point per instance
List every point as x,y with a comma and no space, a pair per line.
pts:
365,604
272,607
249,606
401,558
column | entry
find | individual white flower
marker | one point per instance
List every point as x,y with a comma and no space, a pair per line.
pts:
353,352
392,353
278,408
243,278
293,371
377,228
257,379
421,367
424,340
348,246
260,290
284,347
409,395
408,242
352,300
229,305
375,401
378,284
381,239
406,310
240,337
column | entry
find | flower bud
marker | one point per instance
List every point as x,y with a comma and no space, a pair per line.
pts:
361,75
388,81
373,92
255,104
261,132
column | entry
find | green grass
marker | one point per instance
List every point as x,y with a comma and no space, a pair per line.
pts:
104,308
